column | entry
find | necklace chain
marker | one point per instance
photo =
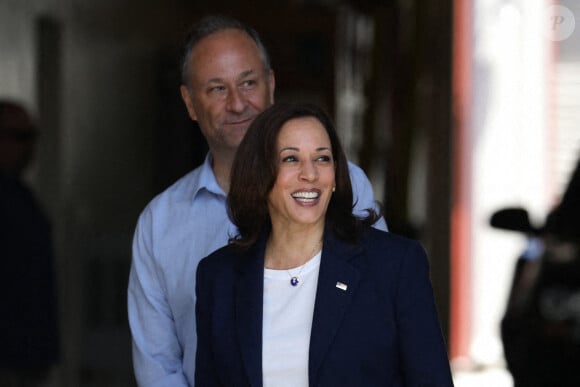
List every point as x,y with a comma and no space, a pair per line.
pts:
295,279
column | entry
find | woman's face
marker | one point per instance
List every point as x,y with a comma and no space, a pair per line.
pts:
305,180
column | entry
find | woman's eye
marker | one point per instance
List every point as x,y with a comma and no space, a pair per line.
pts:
324,158
289,159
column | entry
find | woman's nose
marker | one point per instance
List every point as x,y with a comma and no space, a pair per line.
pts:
308,171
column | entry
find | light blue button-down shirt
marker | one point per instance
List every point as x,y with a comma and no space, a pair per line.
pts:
176,230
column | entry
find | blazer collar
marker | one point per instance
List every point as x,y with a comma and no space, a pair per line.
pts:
337,281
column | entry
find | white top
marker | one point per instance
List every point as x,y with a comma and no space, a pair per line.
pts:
287,324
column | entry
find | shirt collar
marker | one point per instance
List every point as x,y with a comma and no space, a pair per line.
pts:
207,179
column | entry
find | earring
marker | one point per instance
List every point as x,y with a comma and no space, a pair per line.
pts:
333,188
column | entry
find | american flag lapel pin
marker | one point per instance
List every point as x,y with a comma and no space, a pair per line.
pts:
341,286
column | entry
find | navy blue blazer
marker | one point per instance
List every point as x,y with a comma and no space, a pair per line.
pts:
382,330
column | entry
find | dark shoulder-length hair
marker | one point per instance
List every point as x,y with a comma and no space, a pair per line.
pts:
255,169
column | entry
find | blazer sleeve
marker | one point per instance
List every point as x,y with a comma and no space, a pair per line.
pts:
423,351
205,374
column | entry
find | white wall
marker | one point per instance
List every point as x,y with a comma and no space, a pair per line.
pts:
509,132
526,140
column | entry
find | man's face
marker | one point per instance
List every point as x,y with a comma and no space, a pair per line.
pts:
229,88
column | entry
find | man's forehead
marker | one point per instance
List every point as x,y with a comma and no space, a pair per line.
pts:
228,47
236,77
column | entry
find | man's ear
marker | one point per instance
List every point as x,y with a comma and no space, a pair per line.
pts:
272,85
187,101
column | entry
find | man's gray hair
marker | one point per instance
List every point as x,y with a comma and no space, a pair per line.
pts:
210,25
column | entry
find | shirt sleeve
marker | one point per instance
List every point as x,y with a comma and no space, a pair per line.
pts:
363,195
157,353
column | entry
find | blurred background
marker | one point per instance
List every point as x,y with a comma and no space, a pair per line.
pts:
453,108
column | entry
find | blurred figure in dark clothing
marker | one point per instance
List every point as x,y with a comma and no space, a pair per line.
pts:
564,220
29,342
541,327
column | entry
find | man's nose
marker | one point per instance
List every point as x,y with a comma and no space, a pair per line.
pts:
236,101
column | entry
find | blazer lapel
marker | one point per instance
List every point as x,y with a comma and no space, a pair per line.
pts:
337,282
249,298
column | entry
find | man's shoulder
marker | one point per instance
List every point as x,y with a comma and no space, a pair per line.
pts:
183,189
173,200
358,178
355,169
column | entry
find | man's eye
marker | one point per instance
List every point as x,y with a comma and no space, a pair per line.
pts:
249,83
217,89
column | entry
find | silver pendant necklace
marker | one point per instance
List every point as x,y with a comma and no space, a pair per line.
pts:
295,279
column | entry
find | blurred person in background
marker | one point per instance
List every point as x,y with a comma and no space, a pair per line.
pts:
29,340
540,329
